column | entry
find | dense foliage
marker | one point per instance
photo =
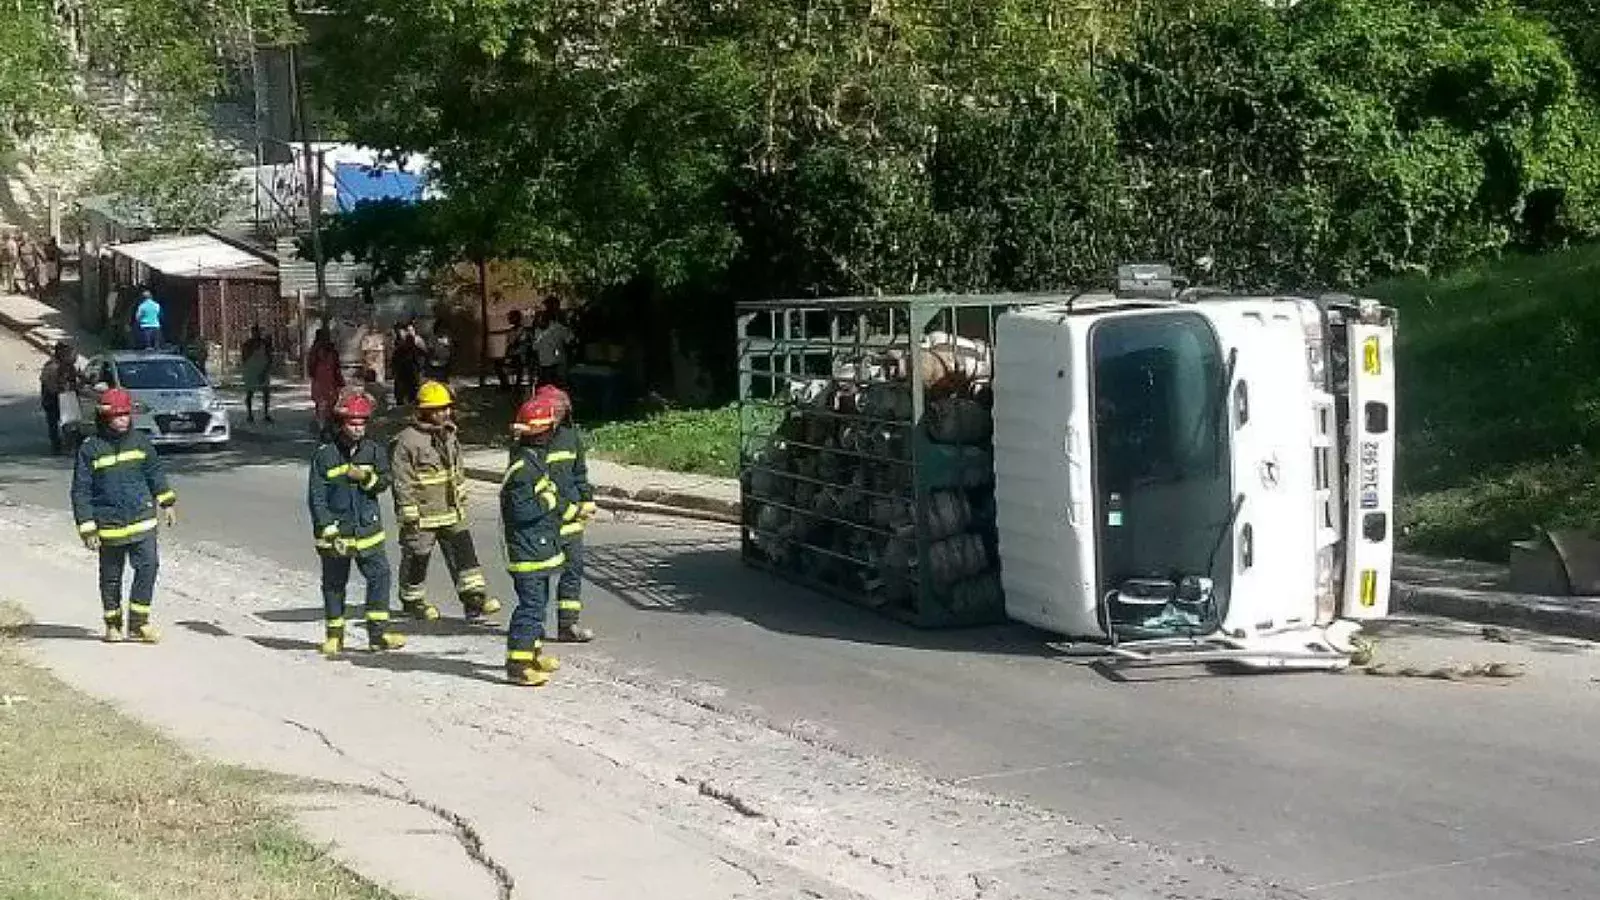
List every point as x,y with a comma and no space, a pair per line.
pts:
681,154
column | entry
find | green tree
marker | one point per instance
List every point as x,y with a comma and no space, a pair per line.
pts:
34,72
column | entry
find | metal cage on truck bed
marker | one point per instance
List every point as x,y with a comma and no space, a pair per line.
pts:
866,466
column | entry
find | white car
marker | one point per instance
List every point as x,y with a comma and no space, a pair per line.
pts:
174,403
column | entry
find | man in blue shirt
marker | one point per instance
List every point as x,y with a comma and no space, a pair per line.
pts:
147,316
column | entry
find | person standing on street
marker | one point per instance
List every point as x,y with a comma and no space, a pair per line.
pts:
441,353
147,318
408,362
10,258
565,461
58,378
118,487
430,499
326,370
258,359
530,521
552,339
348,475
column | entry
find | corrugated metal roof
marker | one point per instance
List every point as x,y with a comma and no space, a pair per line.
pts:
296,274
190,256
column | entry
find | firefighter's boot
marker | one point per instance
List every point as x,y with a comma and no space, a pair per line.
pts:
139,627
333,638
478,608
568,631
385,640
524,674
113,633
379,637
419,608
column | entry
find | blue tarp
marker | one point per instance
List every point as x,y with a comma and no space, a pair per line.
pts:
357,183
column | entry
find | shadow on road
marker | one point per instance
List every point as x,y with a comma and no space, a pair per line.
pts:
46,631
703,575
394,661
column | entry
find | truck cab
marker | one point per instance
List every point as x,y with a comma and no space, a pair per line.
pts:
1171,464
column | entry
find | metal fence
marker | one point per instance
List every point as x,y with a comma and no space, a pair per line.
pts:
866,464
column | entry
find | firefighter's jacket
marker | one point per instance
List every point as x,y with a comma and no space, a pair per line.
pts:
530,513
346,517
430,485
564,458
117,484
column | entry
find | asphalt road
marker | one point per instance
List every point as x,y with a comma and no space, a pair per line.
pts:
1344,786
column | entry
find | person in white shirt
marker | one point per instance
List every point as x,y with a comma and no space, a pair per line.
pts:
551,340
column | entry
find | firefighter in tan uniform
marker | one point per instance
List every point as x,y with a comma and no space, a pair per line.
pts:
430,499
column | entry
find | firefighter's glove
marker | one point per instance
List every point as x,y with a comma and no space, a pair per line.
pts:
358,474
170,514
341,546
92,541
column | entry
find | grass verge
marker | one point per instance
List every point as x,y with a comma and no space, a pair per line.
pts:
94,805
698,441
1499,401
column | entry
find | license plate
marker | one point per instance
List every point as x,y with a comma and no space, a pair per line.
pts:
177,425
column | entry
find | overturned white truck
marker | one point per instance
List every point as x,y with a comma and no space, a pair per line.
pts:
1173,465
1168,473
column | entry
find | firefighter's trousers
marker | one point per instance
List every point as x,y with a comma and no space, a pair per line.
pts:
374,567
569,587
460,557
526,631
142,556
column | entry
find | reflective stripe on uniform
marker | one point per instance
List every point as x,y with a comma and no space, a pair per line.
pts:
412,594
111,459
410,513
520,655
330,531
554,562
548,498
139,527
166,498
543,484
336,471
377,615
432,478
371,480
588,508
472,579
511,470
87,527
560,456
569,605
439,520
335,624
113,615
570,513
365,543
571,528
139,609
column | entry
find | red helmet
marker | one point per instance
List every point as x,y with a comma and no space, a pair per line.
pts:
355,407
537,415
116,402
556,396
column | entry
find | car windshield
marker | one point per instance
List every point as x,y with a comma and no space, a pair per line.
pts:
159,375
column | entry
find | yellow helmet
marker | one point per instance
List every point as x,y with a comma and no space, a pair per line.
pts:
433,395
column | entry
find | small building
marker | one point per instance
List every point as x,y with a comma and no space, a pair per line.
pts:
212,292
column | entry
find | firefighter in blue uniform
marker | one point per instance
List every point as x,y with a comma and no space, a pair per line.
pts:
118,490
530,521
564,459
348,475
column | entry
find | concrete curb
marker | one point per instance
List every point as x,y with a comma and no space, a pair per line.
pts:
653,502
1575,617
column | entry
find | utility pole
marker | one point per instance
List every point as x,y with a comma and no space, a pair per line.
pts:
313,180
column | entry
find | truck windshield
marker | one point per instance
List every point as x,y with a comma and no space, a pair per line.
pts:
1162,473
